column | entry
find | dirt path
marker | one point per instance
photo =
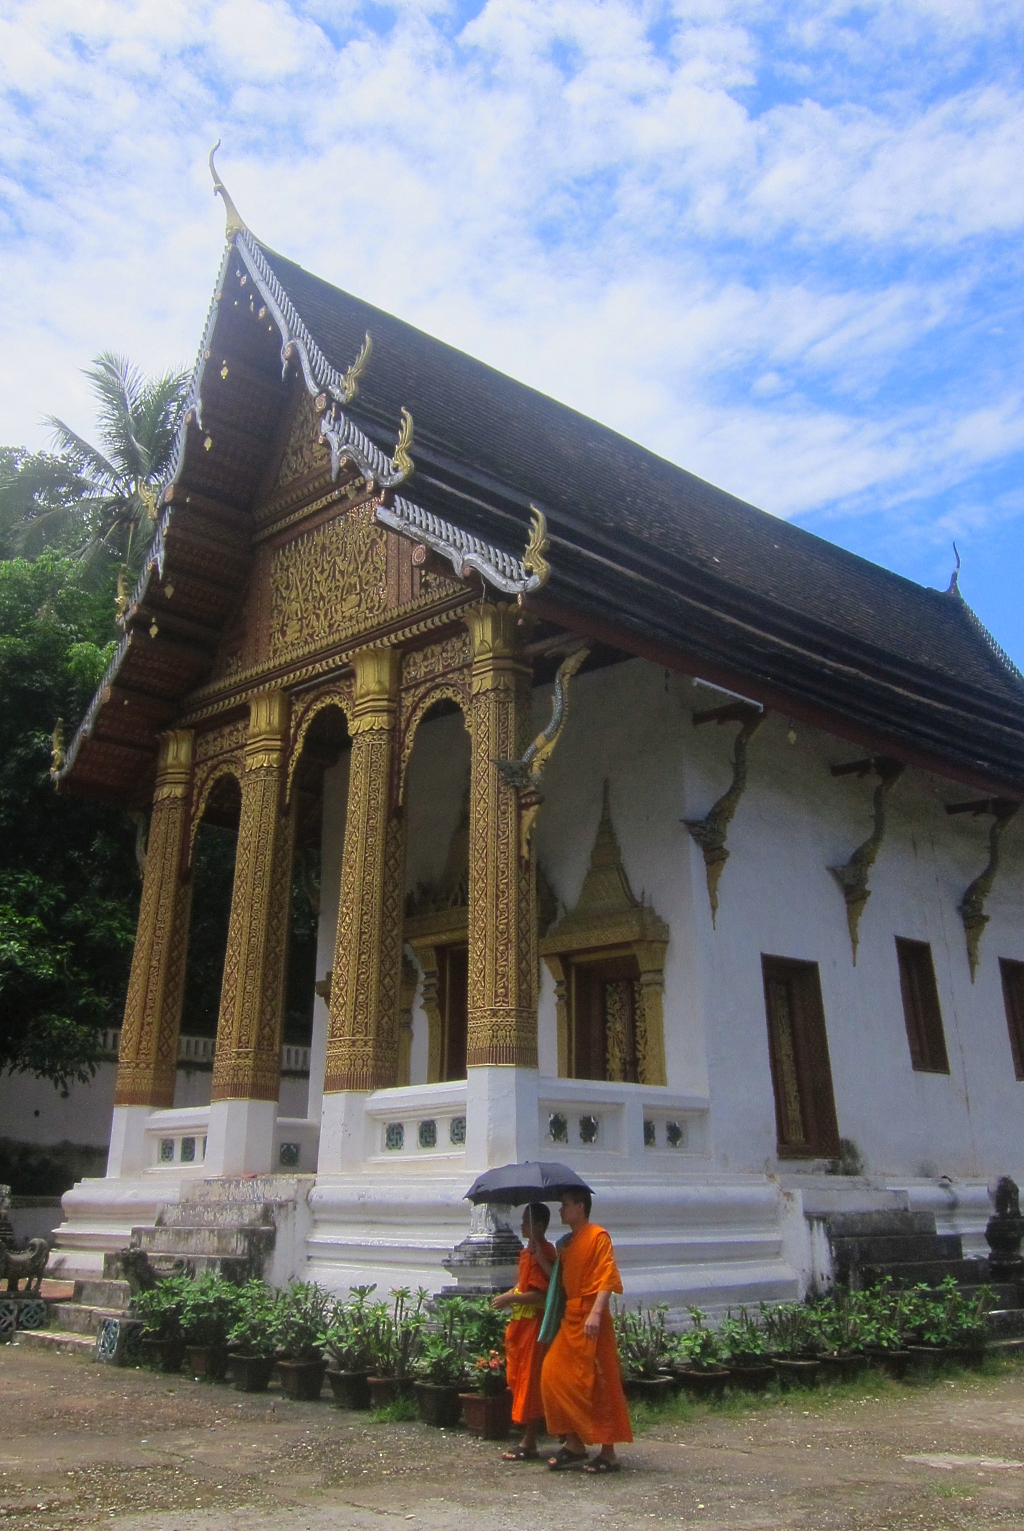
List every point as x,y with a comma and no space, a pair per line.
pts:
83,1445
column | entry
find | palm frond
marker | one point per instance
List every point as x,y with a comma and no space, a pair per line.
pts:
85,457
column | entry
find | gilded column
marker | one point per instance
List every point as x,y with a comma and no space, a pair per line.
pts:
147,1062
362,1043
502,889
247,1064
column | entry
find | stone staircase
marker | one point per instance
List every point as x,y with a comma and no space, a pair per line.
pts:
905,1246
212,1230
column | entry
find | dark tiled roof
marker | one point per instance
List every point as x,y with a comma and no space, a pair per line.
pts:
653,550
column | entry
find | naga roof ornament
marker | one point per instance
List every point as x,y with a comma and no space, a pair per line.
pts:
234,223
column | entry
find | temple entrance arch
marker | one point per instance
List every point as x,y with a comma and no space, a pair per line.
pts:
437,890
214,845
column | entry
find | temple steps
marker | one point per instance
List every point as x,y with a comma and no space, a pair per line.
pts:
63,1341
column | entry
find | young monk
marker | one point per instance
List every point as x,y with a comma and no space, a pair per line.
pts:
581,1383
523,1355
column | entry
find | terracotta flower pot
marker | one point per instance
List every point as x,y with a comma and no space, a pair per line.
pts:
208,1361
753,1376
440,1405
709,1382
302,1380
385,1390
488,1414
797,1371
843,1368
351,1389
252,1374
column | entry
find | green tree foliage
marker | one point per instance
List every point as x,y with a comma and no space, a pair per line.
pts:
69,884
97,500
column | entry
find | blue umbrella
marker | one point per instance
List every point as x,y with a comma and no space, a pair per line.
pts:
513,1184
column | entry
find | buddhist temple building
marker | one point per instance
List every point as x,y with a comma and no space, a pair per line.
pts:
566,807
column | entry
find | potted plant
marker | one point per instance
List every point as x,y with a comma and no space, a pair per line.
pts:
209,1311
967,1316
841,1331
161,1310
928,1329
488,1408
303,1313
253,1337
793,1341
394,1342
884,1328
441,1365
744,1350
348,1341
699,1367
645,1352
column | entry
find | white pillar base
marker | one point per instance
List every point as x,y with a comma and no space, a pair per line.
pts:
240,1140
127,1153
502,1124
342,1132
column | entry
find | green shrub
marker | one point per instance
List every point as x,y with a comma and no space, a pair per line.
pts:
348,1337
162,1309
645,1346
255,1329
209,1311
303,1312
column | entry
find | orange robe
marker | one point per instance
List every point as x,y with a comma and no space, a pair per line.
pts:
581,1382
523,1355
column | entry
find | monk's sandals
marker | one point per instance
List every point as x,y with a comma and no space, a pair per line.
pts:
564,1458
602,1465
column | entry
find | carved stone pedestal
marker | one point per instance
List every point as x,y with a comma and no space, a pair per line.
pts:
487,1259
1004,1232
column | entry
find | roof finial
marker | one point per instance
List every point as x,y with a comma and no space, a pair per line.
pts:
953,587
234,223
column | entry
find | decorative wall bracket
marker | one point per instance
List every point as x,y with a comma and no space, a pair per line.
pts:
972,905
853,876
710,832
524,775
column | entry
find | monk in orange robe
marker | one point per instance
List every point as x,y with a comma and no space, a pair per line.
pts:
523,1355
581,1382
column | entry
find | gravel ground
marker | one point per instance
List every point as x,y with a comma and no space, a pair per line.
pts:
84,1445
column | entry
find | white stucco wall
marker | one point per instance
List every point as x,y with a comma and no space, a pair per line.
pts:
632,724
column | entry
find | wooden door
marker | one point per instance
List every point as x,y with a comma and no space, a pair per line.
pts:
602,1040
805,1108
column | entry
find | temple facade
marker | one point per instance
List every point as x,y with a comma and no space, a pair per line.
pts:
631,828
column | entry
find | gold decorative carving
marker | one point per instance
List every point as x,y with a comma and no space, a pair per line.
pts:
350,382
710,831
853,876
147,1063
537,545
306,451
334,693
524,775
402,462
248,1058
233,222
406,1001
972,906
609,921
57,749
327,583
362,1043
215,742
502,932
403,624
440,671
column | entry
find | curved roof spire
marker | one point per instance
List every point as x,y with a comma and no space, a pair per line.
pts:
234,223
953,588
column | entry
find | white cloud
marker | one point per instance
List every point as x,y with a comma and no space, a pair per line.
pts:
744,233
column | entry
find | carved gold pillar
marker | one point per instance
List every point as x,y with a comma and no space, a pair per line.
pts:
247,1063
502,887
147,1062
362,1043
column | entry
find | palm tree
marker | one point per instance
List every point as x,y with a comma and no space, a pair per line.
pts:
113,487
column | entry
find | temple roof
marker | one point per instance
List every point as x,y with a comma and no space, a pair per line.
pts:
644,554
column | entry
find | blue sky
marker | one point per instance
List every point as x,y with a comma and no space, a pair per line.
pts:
777,241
